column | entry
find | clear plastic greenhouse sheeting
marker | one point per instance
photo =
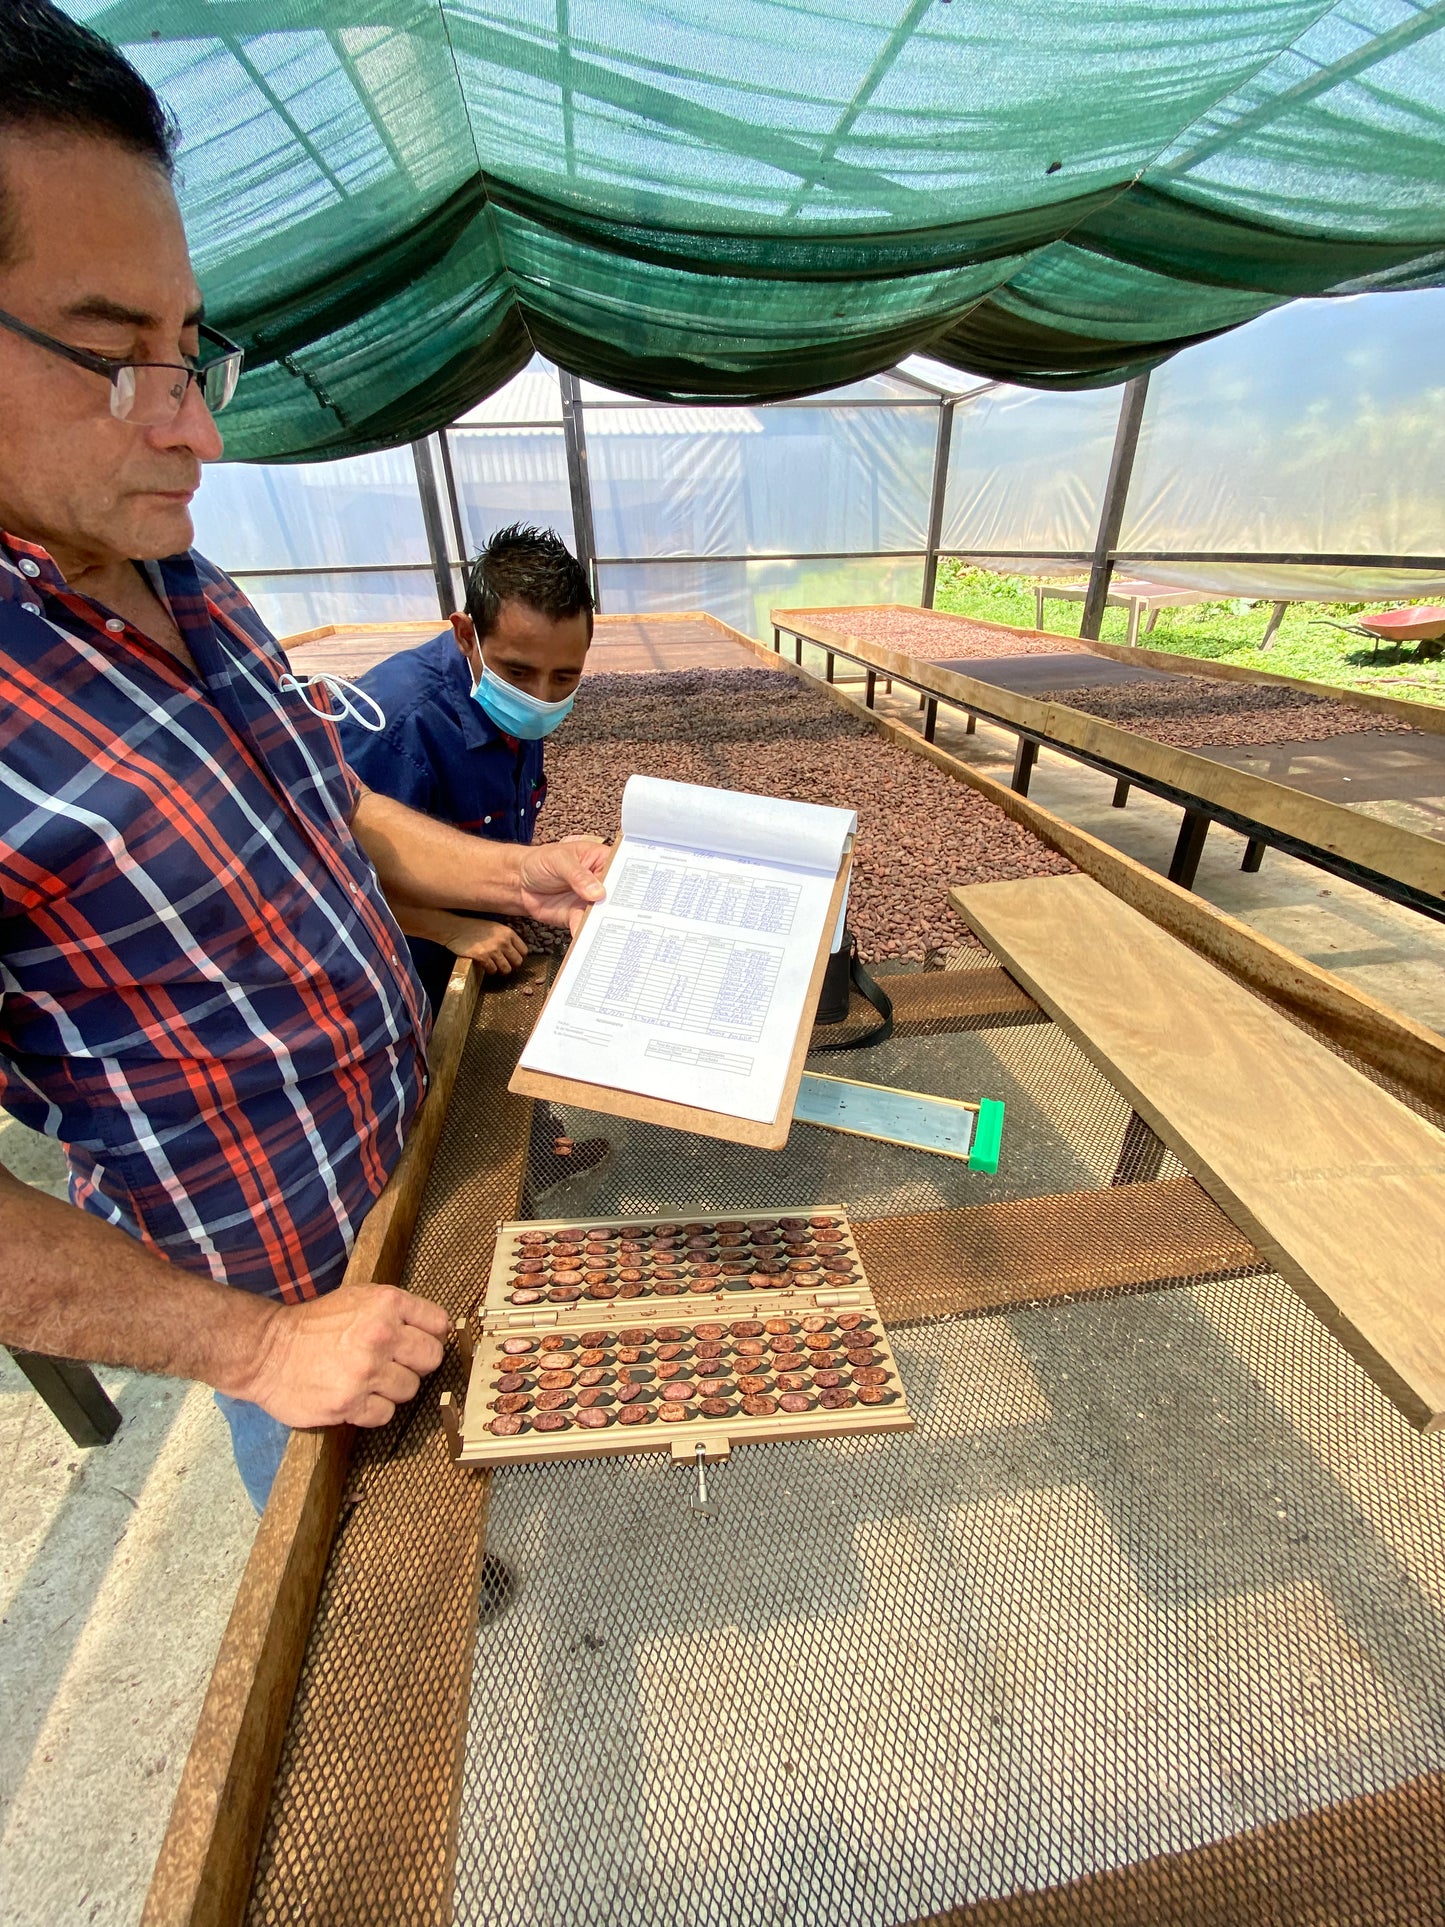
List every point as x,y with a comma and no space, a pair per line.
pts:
506,475
788,479
1027,470
1316,430
741,593
364,509
293,604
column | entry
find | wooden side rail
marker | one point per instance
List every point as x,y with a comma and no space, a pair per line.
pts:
1395,1046
203,1874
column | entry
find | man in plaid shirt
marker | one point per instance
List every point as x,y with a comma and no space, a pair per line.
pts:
203,992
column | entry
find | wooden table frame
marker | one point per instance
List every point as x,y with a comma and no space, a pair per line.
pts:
1395,863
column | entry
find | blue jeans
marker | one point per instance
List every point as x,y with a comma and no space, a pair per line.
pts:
258,1440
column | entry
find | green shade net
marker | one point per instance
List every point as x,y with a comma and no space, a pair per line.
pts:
393,202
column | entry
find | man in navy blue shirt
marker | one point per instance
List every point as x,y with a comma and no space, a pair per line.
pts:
466,715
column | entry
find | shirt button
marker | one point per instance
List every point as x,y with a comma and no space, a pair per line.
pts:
28,566
31,608
114,624
486,819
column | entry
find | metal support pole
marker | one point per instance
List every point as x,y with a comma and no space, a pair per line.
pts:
971,725
1253,854
579,482
870,683
936,500
777,640
1024,759
1111,515
827,665
930,720
1121,793
1189,849
798,650
436,532
454,500
75,1396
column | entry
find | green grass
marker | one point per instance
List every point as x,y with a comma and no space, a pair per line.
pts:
1222,631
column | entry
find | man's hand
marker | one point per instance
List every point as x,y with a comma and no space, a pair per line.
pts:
433,866
559,881
496,947
349,1358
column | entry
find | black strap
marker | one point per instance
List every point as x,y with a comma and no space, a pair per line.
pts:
867,986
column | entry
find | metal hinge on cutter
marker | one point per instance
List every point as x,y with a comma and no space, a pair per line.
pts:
679,1333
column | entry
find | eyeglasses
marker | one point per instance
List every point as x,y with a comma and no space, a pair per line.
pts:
150,393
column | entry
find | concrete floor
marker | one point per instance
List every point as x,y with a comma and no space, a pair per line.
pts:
118,1568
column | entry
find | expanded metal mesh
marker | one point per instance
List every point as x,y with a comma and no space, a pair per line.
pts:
1149,1573
1064,1130
1157,1568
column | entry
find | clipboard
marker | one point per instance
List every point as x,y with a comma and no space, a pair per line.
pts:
688,1117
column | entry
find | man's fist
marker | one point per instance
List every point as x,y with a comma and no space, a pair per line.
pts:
349,1358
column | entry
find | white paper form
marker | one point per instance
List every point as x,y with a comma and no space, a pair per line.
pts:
688,982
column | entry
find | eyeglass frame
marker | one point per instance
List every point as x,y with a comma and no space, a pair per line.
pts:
112,368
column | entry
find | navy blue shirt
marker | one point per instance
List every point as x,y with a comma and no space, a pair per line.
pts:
441,753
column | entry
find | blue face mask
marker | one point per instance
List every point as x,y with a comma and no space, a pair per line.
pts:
514,711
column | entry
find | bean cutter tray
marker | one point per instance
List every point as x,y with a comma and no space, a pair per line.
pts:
714,1332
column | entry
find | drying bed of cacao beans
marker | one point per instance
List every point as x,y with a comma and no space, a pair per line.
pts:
1195,712
935,636
754,729
1191,712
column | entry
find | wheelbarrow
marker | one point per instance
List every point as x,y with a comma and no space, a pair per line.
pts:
1424,627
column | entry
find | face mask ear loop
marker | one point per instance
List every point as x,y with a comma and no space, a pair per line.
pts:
355,695
346,695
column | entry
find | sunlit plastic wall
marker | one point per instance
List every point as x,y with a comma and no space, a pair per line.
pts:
731,510
1319,429
359,520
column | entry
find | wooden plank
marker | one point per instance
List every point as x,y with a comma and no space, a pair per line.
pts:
768,1136
364,1801
1398,1048
956,999
1374,1860
1340,1186
993,1257
359,629
1363,841
203,1872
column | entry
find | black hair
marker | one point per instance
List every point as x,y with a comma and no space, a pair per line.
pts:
531,566
56,73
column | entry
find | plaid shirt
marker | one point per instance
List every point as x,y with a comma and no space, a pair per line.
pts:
202,992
